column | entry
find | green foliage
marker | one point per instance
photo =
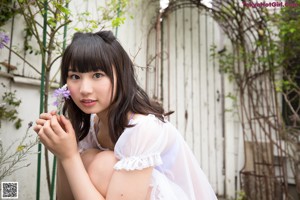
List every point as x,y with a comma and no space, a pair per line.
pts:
6,11
27,38
289,33
62,12
8,108
284,85
118,21
265,68
10,159
241,195
226,61
114,11
57,17
87,22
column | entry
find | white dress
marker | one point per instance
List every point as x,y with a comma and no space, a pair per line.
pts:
153,143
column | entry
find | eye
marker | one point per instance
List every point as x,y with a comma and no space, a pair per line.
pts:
98,75
73,76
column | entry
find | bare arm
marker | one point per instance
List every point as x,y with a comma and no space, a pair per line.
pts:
80,183
63,190
58,135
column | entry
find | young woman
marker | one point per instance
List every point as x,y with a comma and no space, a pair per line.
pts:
116,143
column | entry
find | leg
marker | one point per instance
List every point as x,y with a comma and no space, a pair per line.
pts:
99,166
101,169
88,156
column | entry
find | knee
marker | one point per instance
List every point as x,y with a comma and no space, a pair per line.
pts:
101,169
88,156
102,163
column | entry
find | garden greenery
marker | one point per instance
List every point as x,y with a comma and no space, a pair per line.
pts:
8,108
12,159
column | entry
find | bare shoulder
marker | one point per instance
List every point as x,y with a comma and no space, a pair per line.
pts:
138,116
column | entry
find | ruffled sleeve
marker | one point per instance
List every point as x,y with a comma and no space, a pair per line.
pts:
141,146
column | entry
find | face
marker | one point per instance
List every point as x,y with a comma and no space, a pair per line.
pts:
91,91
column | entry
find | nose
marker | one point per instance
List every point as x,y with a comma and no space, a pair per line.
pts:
86,87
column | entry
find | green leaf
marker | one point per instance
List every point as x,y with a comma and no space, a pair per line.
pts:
63,9
118,21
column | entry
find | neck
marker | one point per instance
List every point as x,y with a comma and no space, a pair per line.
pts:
103,132
103,119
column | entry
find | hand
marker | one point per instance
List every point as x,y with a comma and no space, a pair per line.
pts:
58,135
41,121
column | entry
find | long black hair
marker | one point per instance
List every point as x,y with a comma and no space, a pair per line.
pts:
101,51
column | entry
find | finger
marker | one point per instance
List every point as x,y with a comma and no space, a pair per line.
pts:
66,124
60,122
55,125
48,131
45,116
40,121
43,137
37,128
58,118
53,112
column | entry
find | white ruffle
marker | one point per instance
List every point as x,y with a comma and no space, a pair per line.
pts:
138,163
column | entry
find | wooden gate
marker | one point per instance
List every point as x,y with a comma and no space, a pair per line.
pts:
187,80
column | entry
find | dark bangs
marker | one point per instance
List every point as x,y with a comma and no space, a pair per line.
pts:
88,52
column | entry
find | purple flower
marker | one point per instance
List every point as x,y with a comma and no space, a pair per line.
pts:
30,124
56,103
62,92
61,95
4,39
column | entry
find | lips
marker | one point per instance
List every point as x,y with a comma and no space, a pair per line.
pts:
88,102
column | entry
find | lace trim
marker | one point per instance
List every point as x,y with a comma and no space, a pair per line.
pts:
138,163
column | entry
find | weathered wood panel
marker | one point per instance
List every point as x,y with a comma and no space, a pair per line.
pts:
191,87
